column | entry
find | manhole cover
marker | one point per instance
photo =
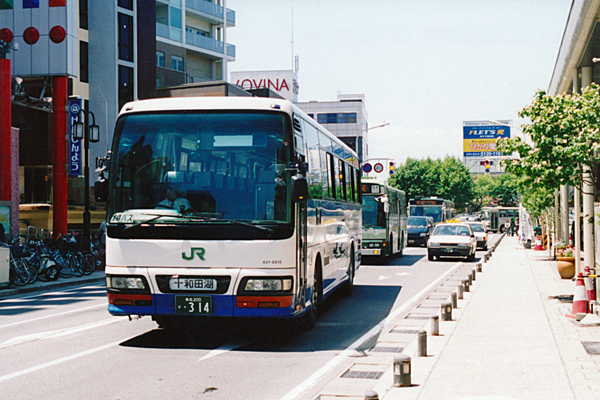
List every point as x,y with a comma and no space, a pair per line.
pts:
593,348
405,331
384,349
362,374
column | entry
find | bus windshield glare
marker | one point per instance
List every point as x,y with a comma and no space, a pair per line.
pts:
197,167
427,211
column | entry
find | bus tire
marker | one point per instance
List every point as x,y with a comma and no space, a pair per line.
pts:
400,247
308,320
348,287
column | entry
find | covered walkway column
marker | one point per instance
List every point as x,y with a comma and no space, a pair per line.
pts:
588,190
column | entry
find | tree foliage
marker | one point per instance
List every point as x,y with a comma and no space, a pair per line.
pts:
565,135
448,179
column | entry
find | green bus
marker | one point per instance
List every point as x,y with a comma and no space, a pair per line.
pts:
384,214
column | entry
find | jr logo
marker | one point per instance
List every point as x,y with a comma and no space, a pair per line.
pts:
199,251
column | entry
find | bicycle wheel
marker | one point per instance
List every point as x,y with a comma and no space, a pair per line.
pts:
89,264
67,270
32,271
15,276
77,264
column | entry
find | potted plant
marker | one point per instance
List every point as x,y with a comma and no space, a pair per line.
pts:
566,260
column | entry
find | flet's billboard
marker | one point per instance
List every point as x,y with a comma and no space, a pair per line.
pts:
480,137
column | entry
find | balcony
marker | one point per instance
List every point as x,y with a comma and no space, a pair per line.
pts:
211,9
207,43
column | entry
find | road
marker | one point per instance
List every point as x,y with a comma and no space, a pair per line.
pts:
64,344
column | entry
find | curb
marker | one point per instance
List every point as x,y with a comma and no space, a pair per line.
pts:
95,277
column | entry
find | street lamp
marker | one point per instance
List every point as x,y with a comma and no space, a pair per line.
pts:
88,133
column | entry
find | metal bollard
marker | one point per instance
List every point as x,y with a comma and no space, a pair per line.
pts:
474,273
454,299
422,343
446,311
402,370
479,267
466,286
371,395
435,325
460,291
470,276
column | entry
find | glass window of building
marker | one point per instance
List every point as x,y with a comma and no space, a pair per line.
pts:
125,37
177,63
160,59
83,62
337,118
128,4
83,14
125,85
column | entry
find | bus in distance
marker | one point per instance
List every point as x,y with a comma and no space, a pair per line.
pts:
228,207
384,216
439,209
494,218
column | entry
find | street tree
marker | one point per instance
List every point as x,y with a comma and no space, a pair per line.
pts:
565,136
448,179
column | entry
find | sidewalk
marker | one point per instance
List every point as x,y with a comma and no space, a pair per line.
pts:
38,285
509,338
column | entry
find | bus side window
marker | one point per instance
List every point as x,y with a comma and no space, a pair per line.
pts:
342,176
334,178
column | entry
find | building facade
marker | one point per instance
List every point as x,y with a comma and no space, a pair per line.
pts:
118,51
346,118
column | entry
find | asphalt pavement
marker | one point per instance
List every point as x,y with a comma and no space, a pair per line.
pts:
508,337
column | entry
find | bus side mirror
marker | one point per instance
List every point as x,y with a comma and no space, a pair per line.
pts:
299,189
386,208
101,190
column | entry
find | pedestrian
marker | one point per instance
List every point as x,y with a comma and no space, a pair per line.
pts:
507,227
512,227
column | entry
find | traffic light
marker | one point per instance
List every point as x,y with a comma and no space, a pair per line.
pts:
391,168
486,164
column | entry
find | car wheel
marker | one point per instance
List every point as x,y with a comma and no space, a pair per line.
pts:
430,257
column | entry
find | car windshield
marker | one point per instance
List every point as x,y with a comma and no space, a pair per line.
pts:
452,230
417,222
477,228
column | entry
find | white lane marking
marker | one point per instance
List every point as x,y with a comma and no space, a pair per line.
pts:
223,349
49,294
402,273
312,380
56,333
381,277
53,315
59,361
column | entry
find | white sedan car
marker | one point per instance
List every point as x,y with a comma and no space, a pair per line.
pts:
480,234
452,240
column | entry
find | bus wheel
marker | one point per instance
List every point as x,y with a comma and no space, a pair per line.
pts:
308,320
348,287
400,247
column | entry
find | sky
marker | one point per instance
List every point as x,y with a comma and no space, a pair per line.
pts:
424,66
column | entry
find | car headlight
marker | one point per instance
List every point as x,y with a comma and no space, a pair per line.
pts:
464,245
268,285
125,282
423,234
433,244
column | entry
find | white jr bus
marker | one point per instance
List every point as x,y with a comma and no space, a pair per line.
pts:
228,207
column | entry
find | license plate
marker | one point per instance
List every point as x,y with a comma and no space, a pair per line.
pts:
193,305
192,284
411,241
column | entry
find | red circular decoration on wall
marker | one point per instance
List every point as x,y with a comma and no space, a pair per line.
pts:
6,35
57,34
31,35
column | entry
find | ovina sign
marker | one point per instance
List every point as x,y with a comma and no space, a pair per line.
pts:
284,83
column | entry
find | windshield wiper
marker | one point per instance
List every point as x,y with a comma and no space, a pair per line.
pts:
199,219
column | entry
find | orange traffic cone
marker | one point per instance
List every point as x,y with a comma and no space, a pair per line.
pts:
580,300
538,244
589,285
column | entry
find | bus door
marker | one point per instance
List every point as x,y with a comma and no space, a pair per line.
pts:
301,252
494,220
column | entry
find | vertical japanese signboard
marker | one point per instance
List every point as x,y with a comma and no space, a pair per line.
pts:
75,146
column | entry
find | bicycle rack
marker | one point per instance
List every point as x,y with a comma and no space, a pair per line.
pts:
31,232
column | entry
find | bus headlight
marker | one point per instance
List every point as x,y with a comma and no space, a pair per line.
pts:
268,285
125,282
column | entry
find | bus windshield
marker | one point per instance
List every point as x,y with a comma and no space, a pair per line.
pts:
427,211
201,167
372,213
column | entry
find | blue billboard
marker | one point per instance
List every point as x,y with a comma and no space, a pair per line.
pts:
479,137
